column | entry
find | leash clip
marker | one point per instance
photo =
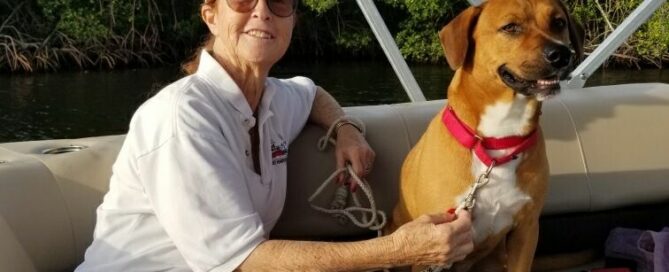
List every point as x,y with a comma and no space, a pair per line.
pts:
482,180
490,167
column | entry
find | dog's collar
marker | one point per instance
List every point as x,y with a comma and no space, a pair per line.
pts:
468,138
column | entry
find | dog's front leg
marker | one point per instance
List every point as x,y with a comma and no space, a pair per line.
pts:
521,244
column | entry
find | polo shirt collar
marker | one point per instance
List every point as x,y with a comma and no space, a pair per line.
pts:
215,74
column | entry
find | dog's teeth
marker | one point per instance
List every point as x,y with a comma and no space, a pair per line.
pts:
547,82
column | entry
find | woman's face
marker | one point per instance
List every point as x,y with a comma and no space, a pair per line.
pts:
258,36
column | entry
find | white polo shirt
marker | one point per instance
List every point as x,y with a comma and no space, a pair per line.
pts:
183,195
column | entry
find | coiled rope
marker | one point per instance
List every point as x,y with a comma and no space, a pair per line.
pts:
370,218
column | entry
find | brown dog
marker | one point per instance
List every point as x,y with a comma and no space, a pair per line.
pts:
508,56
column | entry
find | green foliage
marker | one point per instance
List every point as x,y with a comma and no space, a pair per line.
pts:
417,38
423,46
81,25
50,34
425,10
335,27
652,41
356,41
649,44
414,24
320,6
78,19
97,33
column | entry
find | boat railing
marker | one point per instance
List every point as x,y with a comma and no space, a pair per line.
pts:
576,79
639,16
391,50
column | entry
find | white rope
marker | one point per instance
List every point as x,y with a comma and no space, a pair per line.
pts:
338,207
371,218
378,218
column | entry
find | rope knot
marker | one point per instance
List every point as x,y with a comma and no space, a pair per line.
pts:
371,218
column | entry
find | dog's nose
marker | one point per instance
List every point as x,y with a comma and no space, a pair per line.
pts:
557,55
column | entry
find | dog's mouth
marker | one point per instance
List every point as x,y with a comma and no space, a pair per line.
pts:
541,88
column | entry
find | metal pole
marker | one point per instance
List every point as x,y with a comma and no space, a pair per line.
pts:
639,16
390,49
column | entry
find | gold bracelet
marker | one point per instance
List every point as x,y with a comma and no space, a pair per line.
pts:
343,122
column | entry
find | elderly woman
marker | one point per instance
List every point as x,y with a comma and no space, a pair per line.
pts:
196,186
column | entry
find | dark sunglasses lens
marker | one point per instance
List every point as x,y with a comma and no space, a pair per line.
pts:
282,8
242,5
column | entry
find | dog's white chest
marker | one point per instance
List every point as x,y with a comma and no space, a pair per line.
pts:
497,202
500,199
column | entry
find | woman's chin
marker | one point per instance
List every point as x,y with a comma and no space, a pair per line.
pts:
261,60
260,57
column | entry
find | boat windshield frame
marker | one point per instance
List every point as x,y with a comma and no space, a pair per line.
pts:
576,79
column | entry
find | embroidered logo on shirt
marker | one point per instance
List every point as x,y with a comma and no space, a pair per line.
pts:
279,152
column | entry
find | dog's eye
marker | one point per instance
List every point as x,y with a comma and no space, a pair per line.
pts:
511,28
559,23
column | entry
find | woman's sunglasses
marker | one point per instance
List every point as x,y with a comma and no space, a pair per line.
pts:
281,8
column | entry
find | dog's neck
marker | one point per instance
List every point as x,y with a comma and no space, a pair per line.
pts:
490,108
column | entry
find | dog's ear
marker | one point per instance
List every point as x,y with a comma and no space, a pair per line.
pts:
456,35
577,37
576,33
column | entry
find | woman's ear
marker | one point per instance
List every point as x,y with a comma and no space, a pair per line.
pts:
208,14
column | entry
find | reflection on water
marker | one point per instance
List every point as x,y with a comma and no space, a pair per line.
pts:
83,104
72,105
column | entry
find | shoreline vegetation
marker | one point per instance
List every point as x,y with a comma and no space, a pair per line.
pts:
55,35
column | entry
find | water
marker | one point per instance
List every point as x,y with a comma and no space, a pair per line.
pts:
84,104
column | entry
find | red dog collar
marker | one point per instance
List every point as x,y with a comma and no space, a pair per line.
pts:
468,138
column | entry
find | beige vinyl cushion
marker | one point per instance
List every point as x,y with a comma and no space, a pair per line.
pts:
13,256
607,148
624,135
34,212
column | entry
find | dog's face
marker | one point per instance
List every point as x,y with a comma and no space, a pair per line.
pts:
525,45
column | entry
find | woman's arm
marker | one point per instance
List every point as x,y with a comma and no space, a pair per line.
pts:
351,144
325,109
284,255
428,240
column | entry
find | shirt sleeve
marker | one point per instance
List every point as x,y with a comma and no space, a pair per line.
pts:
200,197
295,102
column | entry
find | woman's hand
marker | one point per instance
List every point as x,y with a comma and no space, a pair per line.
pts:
353,148
439,239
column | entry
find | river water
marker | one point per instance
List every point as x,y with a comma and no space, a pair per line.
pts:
84,104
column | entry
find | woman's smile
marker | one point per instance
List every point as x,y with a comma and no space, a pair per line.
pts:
260,34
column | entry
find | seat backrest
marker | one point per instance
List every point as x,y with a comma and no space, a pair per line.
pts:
391,130
48,202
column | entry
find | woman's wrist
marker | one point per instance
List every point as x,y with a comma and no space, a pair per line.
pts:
380,253
398,249
346,126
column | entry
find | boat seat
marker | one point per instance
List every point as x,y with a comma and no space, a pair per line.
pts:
48,202
606,147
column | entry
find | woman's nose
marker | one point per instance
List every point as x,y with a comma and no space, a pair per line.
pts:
262,11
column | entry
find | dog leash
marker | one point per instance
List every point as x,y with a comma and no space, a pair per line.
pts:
338,207
470,200
378,218
371,218
467,204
